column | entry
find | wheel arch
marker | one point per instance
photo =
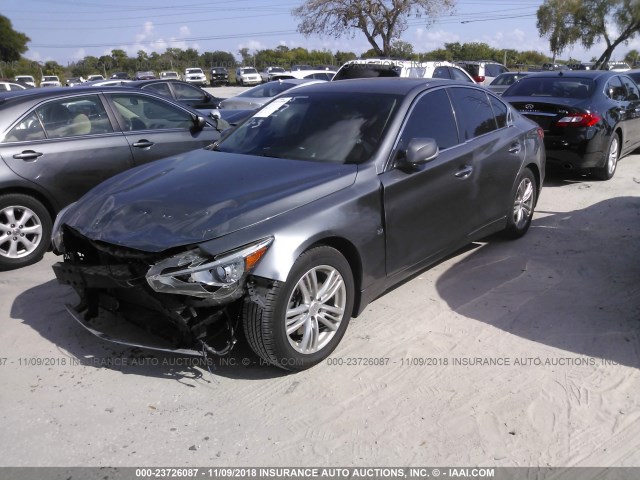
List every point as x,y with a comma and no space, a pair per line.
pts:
536,173
351,254
46,202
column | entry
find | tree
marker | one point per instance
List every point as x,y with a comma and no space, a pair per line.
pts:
381,21
13,43
566,22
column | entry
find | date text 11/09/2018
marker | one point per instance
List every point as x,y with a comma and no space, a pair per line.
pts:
310,472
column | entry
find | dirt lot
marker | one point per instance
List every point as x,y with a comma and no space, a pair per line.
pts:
518,353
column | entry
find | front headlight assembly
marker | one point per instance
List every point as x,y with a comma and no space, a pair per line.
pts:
191,273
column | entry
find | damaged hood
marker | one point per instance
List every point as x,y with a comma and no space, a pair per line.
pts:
199,196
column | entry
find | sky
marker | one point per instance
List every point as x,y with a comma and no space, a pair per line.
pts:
69,30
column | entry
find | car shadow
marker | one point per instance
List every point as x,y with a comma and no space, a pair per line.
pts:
43,309
573,282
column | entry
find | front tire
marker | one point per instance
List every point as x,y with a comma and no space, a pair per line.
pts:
522,205
303,319
25,231
608,170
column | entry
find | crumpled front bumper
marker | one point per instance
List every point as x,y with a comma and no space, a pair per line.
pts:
111,328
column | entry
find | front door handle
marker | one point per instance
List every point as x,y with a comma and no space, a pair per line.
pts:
514,148
27,155
464,172
143,144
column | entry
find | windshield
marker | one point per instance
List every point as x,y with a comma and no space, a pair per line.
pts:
246,71
194,70
322,127
50,79
565,87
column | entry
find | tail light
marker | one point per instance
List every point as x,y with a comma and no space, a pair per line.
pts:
540,133
579,120
479,78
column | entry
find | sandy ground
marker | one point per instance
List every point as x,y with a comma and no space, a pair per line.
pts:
557,314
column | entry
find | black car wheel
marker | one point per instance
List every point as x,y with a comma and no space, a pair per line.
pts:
25,231
522,205
612,155
303,319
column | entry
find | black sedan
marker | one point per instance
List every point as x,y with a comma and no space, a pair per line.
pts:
590,118
300,217
180,91
56,144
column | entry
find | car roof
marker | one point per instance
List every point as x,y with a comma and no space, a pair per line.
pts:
36,95
594,74
395,85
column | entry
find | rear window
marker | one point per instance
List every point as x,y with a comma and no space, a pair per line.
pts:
358,70
535,86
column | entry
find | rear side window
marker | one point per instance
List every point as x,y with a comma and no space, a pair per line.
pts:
457,74
187,92
160,88
431,117
473,111
441,72
631,89
500,111
493,70
68,117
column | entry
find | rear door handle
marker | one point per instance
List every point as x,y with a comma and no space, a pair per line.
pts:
143,144
27,155
514,148
464,172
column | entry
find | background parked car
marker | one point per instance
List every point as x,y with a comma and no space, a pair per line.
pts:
120,76
384,67
219,76
144,76
196,76
182,92
282,226
257,96
26,80
73,81
504,80
247,76
57,144
10,86
590,118
483,72
169,74
94,78
50,81
325,75
268,73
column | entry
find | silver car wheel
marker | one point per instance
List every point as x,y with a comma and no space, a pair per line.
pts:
315,309
612,159
20,231
523,205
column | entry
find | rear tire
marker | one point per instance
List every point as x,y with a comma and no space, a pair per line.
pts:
303,319
522,205
612,155
25,231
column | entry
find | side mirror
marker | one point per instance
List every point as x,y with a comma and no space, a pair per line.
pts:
198,123
419,151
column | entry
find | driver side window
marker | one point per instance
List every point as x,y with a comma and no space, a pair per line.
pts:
431,117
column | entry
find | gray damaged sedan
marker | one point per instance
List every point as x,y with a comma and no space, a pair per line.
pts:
299,217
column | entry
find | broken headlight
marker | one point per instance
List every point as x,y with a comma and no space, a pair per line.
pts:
191,273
